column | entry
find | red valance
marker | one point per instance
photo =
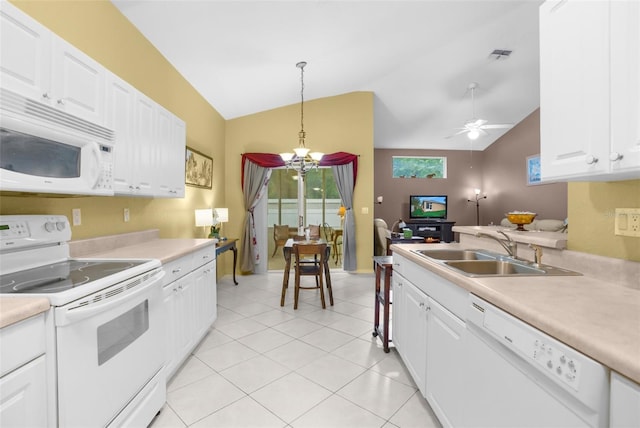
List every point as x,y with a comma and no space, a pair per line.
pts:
270,160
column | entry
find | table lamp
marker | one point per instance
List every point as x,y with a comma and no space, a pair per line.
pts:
222,216
204,218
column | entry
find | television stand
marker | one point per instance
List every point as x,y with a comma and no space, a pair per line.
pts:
433,228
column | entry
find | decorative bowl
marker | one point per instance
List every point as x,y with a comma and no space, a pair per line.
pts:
520,218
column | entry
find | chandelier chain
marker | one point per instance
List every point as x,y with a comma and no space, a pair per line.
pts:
301,66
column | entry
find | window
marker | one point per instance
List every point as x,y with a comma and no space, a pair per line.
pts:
321,198
419,167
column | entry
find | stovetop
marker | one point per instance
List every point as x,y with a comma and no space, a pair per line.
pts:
62,276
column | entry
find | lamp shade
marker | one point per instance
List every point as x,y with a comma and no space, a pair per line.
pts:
222,214
204,217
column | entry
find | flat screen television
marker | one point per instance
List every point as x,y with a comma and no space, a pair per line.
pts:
428,206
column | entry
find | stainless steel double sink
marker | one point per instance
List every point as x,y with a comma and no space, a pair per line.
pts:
483,263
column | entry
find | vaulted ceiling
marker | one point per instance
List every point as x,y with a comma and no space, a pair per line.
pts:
417,57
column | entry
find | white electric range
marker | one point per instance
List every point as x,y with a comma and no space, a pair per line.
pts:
105,349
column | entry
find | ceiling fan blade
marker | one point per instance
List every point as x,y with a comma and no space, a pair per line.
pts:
464,131
497,126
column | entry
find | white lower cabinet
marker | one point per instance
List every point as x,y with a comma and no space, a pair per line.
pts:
414,352
189,300
625,402
445,356
23,381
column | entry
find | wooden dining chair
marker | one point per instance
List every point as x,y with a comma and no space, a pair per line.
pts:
315,251
280,236
314,232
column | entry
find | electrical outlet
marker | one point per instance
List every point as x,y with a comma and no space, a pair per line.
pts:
627,222
77,216
126,215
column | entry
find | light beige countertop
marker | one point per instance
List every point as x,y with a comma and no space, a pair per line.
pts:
145,244
14,309
164,250
598,318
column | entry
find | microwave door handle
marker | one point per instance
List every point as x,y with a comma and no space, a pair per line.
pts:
69,316
94,166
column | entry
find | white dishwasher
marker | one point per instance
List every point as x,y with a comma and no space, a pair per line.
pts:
520,377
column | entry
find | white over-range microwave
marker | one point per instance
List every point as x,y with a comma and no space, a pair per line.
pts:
45,150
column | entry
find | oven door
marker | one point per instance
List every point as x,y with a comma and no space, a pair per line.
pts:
109,346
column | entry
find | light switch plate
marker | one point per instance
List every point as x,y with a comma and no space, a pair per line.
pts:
627,222
126,215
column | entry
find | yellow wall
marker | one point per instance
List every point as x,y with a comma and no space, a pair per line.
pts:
591,209
334,124
102,32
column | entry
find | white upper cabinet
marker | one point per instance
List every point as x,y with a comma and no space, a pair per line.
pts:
171,150
41,66
150,142
145,158
589,120
25,54
120,105
78,82
625,87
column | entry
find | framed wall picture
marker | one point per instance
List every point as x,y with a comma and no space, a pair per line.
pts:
533,170
198,169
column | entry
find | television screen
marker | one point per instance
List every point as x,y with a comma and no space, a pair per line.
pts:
428,206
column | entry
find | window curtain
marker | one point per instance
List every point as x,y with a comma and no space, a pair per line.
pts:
254,185
255,179
343,174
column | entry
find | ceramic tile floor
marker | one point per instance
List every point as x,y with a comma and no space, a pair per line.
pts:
262,365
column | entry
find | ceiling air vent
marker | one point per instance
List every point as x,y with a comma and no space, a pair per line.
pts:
500,54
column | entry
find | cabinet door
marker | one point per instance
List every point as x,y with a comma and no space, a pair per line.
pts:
397,312
625,87
78,82
415,340
445,356
165,155
169,305
205,286
574,89
145,150
177,164
25,54
23,395
120,105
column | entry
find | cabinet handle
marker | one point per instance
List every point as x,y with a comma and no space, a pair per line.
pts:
176,270
45,96
422,304
60,102
180,287
615,156
205,257
591,159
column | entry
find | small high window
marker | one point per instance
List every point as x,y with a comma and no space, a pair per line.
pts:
419,166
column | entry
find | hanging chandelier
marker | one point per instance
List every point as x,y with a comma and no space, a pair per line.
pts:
302,159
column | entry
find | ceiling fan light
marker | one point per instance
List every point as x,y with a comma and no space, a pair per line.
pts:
473,134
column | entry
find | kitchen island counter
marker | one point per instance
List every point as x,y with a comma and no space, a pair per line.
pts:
598,318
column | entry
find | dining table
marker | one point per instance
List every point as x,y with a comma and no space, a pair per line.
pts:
287,250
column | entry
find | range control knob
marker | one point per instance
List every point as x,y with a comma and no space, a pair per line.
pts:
60,225
49,226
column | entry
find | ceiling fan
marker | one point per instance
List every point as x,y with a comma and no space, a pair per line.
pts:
476,127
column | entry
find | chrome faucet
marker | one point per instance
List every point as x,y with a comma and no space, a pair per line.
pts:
537,254
510,246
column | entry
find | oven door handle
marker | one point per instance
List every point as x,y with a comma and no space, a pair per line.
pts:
67,316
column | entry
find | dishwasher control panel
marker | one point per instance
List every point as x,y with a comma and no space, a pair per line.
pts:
557,361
